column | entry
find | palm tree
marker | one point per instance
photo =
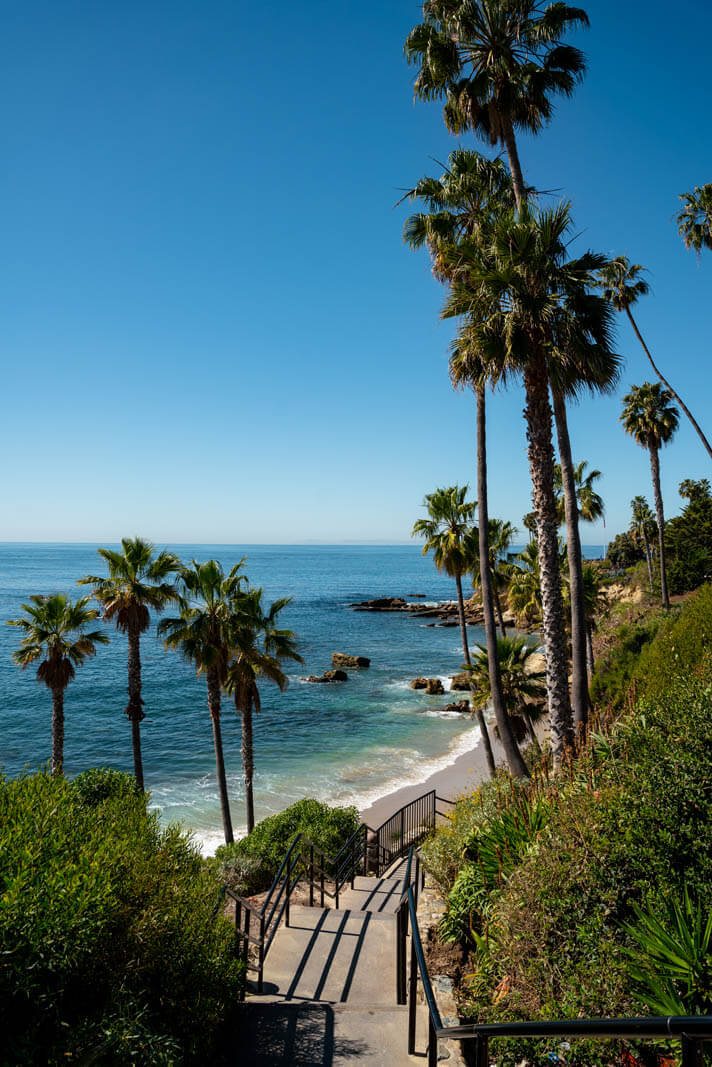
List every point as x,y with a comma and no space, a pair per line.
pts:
497,64
470,190
136,585
589,503
449,536
521,682
595,602
258,647
203,631
642,529
55,633
622,285
524,594
650,417
533,312
694,222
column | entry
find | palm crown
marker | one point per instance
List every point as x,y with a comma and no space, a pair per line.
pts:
258,646
136,583
54,628
498,63
649,415
694,221
590,503
622,283
449,518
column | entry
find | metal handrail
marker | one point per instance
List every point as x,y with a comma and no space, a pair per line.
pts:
691,1030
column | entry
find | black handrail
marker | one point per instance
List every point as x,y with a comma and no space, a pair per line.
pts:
691,1030
363,850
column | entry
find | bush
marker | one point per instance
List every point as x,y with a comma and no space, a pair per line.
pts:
111,952
617,667
564,929
254,861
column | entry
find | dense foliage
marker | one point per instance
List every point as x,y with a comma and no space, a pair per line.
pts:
250,865
588,894
688,539
111,951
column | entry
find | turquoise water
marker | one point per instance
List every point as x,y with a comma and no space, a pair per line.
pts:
347,743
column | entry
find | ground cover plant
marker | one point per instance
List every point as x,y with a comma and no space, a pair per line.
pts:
112,952
250,865
588,893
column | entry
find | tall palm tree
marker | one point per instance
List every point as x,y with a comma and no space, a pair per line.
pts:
55,633
203,631
651,418
497,64
595,602
642,529
622,285
501,535
258,648
532,310
521,682
524,593
470,190
589,503
694,222
136,585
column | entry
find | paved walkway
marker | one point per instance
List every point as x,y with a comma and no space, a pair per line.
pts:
330,987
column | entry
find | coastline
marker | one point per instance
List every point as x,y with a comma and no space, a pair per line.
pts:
463,775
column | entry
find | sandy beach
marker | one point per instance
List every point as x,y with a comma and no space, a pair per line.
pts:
461,776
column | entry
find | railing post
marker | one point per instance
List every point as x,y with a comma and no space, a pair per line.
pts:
401,928
287,890
412,997
691,1052
353,863
481,1051
402,832
311,876
416,884
432,1043
321,883
261,956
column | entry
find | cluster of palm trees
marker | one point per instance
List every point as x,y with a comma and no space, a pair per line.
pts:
221,626
527,310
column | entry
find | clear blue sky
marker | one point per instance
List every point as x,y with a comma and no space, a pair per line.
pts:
211,329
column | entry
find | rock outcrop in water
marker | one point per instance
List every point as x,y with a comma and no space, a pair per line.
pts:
328,676
342,659
432,686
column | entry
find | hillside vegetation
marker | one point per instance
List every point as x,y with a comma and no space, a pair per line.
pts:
588,894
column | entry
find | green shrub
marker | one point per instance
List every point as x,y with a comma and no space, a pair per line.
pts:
682,648
254,861
617,667
111,952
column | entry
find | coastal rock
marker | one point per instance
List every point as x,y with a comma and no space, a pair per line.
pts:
341,659
419,683
382,603
460,683
461,706
434,687
329,676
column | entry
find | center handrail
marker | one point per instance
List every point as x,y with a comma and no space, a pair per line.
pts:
366,850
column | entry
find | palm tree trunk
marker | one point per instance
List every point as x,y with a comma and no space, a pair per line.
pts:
541,465
214,708
515,169
649,562
500,616
516,764
589,647
461,615
667,385
655,471
134,708
248,762
579,679
58,730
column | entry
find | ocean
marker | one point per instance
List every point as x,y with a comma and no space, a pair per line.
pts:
346,743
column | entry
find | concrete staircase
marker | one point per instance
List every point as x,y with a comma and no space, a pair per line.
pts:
330,986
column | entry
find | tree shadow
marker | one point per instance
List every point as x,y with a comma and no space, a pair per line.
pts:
289,1035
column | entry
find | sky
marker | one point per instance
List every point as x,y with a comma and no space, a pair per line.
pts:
212,330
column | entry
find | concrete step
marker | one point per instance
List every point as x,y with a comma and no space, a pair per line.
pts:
303,1035
380,896
332,956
